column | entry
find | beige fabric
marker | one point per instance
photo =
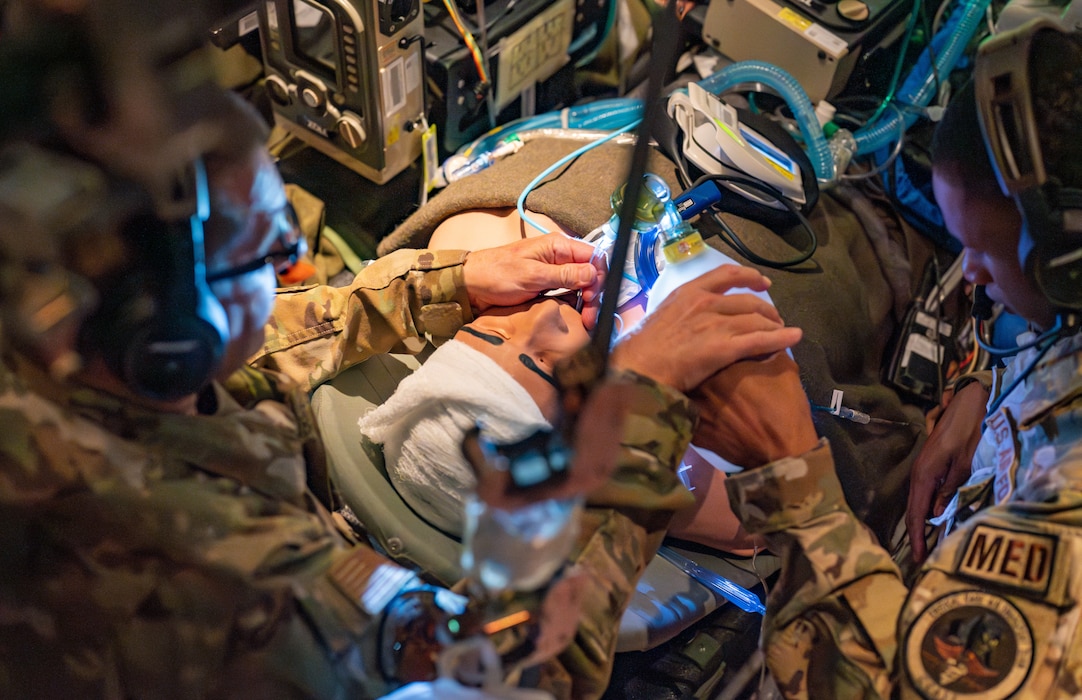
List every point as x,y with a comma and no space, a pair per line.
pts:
576,196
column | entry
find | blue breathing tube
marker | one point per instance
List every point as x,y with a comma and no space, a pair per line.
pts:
920,86
786,85
645,260
918,89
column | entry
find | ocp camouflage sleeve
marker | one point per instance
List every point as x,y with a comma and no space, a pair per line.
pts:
391,306
832,618
995,611
624,525
155,555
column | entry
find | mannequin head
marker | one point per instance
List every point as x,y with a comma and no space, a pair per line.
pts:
527,341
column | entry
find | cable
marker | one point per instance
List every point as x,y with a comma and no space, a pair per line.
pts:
734,240
1050,340
937,18
889,98
666,31
491,101
1050,333
975,355
927,26
471,43
965,362
419,40
521,204
894,153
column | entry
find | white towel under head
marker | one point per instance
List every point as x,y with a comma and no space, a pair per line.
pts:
422,425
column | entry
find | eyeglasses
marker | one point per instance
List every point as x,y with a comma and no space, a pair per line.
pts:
292,245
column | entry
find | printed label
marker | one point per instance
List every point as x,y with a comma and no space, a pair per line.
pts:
1017,559
1001,428
535,51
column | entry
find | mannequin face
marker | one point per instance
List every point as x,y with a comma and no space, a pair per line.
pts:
527,341
989,228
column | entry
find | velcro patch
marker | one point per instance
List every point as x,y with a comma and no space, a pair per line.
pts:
969,644
1019,560
367,578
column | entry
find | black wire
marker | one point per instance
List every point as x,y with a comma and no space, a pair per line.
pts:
734,240
1007,391
847,120
938,289
403,43
666,30
682,173
846,100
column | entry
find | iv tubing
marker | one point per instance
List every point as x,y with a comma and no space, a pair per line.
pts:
521,204
607,114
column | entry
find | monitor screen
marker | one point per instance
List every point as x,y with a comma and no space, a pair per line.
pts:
314,37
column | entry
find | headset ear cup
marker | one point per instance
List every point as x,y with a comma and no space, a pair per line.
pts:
159,328
170,358
1028,105
1051,242
158,349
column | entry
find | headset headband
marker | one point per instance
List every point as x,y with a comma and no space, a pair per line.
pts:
1005,107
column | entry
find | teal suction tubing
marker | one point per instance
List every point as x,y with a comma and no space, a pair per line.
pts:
784,84
605,115
920,87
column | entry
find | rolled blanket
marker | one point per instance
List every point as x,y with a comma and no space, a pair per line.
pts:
426,419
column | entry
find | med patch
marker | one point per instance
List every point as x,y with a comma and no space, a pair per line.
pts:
1012,559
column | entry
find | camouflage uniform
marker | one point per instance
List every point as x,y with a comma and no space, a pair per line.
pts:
392,304
318,331
995,611
157,555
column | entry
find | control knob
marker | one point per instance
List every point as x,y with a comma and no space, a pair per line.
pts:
351,129
278,90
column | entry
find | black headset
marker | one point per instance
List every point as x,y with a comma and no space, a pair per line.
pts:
1051,242
158,325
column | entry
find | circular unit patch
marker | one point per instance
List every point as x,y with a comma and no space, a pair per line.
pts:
969,645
